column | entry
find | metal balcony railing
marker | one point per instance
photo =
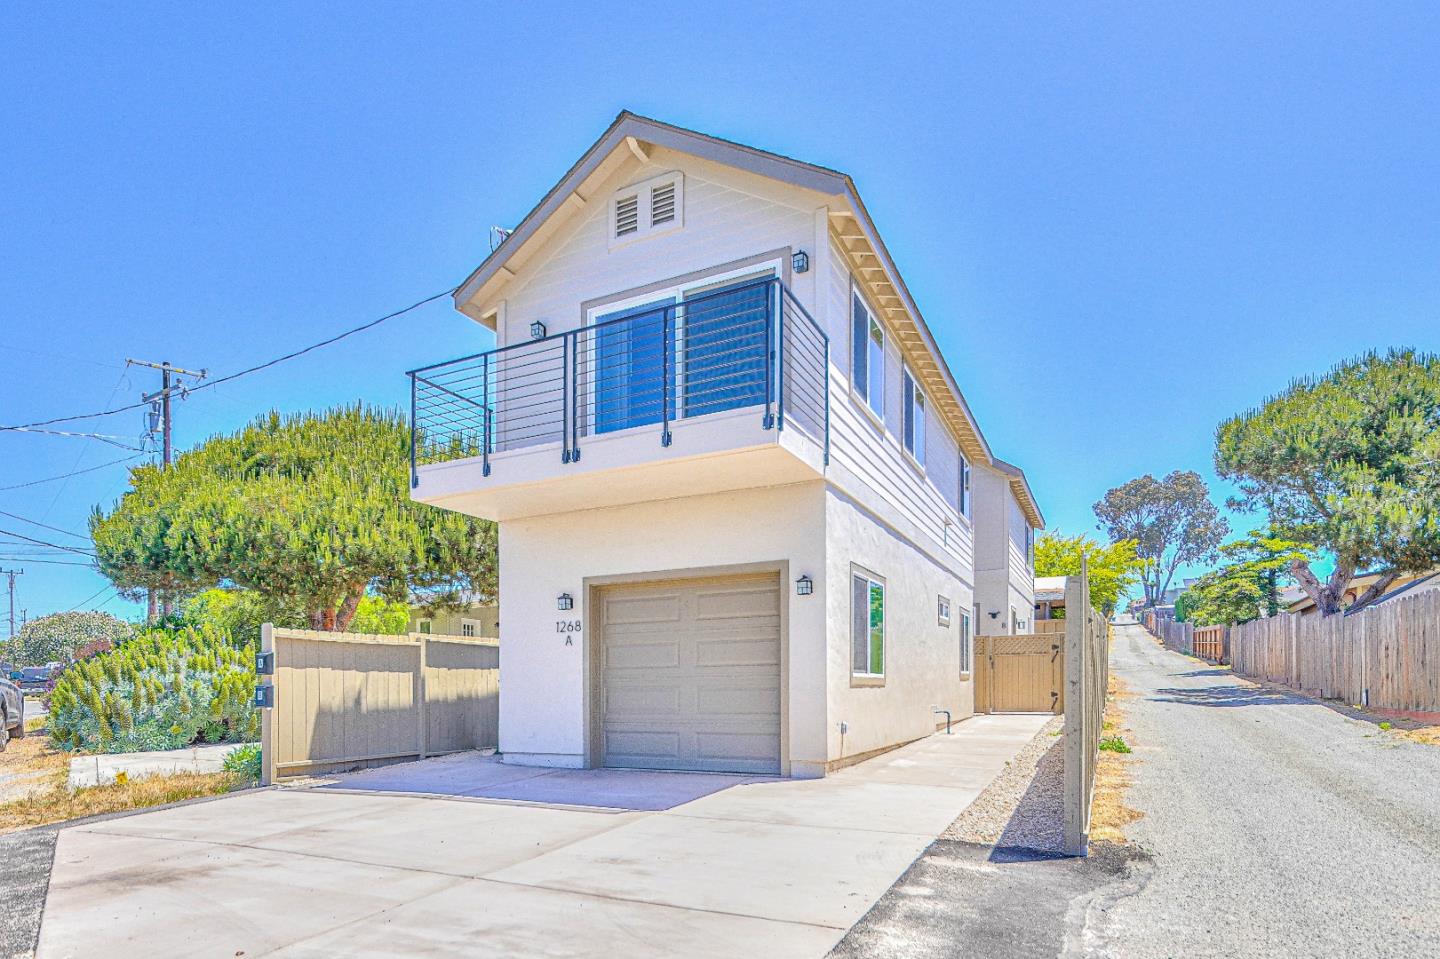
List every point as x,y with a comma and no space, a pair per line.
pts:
747,345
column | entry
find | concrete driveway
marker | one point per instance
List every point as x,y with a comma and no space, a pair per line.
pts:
468,857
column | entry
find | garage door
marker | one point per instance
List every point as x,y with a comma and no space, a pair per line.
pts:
690,675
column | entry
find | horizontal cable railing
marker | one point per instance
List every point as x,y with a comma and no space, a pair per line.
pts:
749,345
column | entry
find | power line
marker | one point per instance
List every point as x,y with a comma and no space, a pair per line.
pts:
88,469
53,529
89,599
102,437
246,372
41,542
48,562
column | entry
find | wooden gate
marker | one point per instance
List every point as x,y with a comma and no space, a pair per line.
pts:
1020,674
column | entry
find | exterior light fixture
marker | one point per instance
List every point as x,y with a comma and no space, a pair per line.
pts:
800,262
566,601
537,330
804,586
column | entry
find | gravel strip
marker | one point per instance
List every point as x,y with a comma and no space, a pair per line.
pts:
24,880
1024,807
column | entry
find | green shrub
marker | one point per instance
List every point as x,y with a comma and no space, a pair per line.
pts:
163,689
244,760
1387,725
1114,744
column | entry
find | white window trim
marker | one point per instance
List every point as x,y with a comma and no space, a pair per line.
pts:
472,624
967,490
872,580
643,191
862,399
943,611
967,646
426,626
916,460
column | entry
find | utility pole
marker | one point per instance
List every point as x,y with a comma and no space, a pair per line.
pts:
160,410
12,573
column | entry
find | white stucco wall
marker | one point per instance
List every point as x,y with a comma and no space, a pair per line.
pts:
1003,576
544,696
922,658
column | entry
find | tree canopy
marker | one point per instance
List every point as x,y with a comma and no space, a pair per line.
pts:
1112,569
1350,463
310,511
1171,521
239,613
59,636
1246,588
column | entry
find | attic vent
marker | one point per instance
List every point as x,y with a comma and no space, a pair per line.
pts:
662,204
627,215
654,206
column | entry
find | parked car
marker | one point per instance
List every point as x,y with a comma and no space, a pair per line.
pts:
12,713
36,679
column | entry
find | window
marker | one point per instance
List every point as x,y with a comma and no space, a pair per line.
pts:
645,209
1014,621
867,355
943,613
966,645
964,486
469,627
913,400
1030,545
424,625
867,625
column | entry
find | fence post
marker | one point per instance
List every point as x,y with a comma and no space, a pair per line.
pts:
267,717
422,710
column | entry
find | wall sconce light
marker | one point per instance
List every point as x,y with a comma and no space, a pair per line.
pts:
804,586
800,262
994,613
537,330
566,601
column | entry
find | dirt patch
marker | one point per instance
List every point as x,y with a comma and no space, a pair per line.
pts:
1109,815
35,789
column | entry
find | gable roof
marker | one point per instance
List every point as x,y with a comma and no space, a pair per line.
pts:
632,133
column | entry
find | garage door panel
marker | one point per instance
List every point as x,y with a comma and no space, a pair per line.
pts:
625,609
754,602
705,696
642,655
757,651
738,701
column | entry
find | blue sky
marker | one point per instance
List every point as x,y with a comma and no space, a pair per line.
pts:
1124,222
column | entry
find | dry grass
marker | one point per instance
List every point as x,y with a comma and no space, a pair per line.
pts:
39,791
1109,815
1426,735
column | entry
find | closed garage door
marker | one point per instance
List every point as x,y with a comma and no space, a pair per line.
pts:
690,675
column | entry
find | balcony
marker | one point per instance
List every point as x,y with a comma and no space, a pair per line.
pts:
656,392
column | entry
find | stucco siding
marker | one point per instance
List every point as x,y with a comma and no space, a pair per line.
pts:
922,658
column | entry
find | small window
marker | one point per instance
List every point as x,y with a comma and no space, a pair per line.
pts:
653,206
424,625
966,644
867,355
943,612
867,625
964,486
469,627
913,417
1030,545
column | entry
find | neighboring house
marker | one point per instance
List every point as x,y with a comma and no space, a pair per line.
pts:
474,619
1412,587
1296,600
1049,597
1004,549
740,496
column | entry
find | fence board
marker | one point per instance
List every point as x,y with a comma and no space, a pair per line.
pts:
1386,657
1087,676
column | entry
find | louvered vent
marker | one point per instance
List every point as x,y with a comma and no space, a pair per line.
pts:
662,204
627,215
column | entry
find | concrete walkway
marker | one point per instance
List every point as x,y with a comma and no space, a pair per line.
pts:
100,769
766,868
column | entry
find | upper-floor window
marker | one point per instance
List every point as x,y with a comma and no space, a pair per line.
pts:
964,480
1030,544
644,209
913,432
867,355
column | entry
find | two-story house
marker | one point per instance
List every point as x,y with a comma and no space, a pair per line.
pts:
742,501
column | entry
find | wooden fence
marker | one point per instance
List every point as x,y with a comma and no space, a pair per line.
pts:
347,700
1206,642
1386,657
1087,678
1049,627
